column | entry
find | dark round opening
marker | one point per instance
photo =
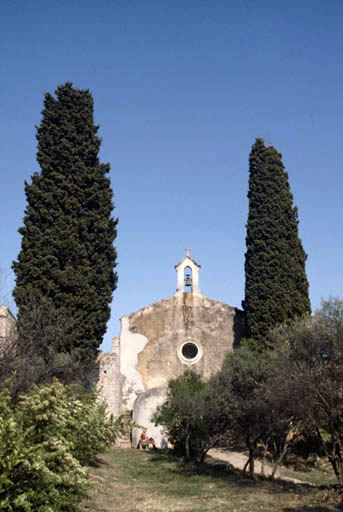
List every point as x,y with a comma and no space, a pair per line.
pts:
189,350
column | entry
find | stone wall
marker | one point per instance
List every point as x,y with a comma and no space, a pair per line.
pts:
152,341
7,330
109,378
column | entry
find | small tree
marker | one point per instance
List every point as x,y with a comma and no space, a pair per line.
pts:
67,257
180,414
257,405
193,416
276,286
315,375
241,380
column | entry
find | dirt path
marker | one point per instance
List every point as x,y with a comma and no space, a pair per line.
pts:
238,461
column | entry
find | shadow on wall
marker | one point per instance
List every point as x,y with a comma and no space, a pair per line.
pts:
238,327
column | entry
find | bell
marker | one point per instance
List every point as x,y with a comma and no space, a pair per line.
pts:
188,281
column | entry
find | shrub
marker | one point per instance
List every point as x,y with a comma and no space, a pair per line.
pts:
314,351
46,438
90,429
37,471
192,415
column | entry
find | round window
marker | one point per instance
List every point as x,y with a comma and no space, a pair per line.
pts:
189,350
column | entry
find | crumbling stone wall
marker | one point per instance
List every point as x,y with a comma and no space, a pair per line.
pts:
7,330
152,341
109,378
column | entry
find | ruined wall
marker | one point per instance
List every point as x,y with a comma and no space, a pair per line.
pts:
153,339
109,378
7,330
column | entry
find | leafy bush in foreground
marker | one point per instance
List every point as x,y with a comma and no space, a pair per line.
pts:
37,471
90,429
45,439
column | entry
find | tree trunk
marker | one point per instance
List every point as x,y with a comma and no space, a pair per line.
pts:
252,461
331,457
265,449
187,444
245,466
279,459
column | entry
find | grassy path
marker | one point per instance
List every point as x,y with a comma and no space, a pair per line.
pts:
238,460
133,480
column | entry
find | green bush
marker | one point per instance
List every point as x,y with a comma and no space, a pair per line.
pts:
192,415
46,438
37,471
90,429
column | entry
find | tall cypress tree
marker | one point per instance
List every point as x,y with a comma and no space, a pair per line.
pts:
67,258
276,286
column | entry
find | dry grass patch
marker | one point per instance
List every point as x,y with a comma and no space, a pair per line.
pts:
133,480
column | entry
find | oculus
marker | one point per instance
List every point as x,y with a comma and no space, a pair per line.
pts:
189,352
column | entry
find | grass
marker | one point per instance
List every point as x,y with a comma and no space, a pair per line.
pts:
134,480
318,475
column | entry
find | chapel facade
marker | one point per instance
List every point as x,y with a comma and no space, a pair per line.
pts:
159,342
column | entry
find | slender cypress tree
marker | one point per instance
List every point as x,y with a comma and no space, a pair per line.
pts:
67,256
276,286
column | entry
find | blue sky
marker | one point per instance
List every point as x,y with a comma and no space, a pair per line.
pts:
181,91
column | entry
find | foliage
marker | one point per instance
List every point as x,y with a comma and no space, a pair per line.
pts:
38,472
90,429
38,363
276,396
252,344
241,380
190,415
268,399
276,286
45,439
67,257
245,399
314,347
180,413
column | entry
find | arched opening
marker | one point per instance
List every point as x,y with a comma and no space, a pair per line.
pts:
188,279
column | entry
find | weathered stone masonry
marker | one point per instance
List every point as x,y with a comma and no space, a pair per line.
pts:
158,342
7,330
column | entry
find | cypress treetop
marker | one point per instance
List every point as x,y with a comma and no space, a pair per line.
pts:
67,256
276,286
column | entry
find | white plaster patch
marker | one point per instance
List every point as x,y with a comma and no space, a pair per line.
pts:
131,345
143,409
